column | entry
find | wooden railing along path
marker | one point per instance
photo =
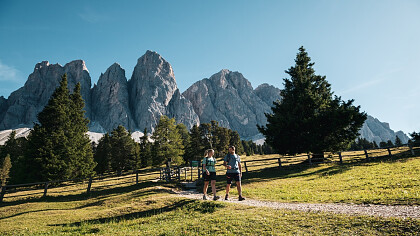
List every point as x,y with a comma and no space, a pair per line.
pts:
186,173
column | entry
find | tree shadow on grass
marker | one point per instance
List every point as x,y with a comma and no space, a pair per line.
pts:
188,204
94,194
303,169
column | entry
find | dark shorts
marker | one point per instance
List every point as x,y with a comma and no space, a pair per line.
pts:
232,176
212,176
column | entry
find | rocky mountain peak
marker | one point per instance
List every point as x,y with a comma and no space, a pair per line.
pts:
110,101
268,93
154,65
41,65
77,65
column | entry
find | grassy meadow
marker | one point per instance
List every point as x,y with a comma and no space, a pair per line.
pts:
117,206
150,209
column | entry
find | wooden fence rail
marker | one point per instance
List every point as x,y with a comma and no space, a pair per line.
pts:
177,172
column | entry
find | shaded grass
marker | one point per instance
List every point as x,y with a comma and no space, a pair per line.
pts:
151,210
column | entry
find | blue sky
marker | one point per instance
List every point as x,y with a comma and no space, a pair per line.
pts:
369,50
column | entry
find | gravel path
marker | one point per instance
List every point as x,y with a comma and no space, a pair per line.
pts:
400,211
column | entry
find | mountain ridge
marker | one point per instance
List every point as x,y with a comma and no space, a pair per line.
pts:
152,91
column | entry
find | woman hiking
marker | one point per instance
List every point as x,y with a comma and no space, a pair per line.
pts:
209,173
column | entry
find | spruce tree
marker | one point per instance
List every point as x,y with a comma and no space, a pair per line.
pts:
415,138
145,150
58,147
235,140
124,155
15,147
82,162
102,155
309,118
167,143
398,141
195,148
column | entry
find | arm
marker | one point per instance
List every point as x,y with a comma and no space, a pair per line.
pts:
240,168
205,168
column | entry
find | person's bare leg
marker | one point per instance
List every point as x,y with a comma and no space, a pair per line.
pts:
206,185
239,187
213,187
227,189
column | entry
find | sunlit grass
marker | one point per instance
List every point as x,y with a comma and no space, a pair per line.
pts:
380,182
149,209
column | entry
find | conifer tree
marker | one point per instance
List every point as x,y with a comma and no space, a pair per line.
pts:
415,138
6,165
103,155
167,142
124,155
82,162
145,150
14,147
398,141
235,140
58,147
194,149
309,118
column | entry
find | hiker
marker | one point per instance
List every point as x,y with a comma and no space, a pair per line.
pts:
232,162
209,173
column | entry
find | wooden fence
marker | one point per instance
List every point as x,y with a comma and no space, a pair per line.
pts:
186,173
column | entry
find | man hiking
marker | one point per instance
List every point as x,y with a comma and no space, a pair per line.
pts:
232,162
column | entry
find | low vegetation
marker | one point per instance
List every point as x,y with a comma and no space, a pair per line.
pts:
149,209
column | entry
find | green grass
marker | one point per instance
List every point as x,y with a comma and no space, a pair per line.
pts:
394,181
149,209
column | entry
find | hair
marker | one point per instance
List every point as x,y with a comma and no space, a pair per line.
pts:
233,147
206,153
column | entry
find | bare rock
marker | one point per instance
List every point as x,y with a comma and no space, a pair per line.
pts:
24,104
228,98
151,90
110,101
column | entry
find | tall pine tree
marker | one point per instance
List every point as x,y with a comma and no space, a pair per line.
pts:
58,147
167,143
309,118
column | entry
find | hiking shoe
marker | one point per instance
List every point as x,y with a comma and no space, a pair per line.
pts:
205,197
227,198
216,197
241,198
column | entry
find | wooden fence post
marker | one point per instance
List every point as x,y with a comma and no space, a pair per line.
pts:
279,162
411,150
246,168
341,158
137,176
199,176
389,152
46,188
3,192
366,154
89,185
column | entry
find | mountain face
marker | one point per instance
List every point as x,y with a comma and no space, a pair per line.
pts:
110,101
24,104
268,93
153,93
3,107
375,130
135,104
226,97
230,99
